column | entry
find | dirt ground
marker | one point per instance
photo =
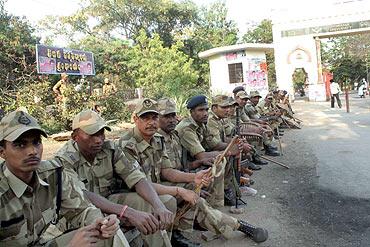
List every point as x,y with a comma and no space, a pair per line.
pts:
291,204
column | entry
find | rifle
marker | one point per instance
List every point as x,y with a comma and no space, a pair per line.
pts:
236,163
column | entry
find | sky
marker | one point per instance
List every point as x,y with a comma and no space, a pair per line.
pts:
244,12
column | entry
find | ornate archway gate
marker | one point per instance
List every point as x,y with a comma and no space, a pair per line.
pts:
297,39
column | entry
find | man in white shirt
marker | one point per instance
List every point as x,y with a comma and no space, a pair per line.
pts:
334,92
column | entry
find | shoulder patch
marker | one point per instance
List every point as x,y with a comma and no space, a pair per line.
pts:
126,144
48,165
108,145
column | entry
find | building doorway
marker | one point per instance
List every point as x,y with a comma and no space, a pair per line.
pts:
299,78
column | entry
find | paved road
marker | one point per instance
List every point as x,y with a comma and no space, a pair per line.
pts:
323,199
341,143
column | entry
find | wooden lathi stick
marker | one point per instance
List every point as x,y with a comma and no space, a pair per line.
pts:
197,189
276,162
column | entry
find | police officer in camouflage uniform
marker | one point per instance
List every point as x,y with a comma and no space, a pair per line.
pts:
108,88
35,193
268,111
219,112
99,163
254,115
254,126
60,89
199,143
206,216
143,144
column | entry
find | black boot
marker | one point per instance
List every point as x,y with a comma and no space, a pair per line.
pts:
257,234
180,240
229,197
257,160
273,148
277,134
253,166
271,152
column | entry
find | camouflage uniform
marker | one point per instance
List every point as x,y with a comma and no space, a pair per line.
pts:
196,138
207,217
32,209
229,127
108,88
151,156
217,129
263,109
253,113
100,177
27,211
61,87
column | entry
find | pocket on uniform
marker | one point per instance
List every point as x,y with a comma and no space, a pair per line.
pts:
104,175
48,215
11,231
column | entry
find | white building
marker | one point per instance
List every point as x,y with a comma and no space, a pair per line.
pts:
238,65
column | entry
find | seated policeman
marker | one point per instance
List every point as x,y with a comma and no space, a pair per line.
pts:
35,193
99,163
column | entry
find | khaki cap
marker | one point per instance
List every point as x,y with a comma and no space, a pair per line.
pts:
16,123
166,106
232,101
242,95
221,100
146,105
89,121
255,94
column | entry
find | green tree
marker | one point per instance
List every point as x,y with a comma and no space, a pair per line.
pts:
211,29
17,56
125,18
260,34
112,57
162,70
347,57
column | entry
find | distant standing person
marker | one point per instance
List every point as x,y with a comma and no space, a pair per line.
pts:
108,87
361,90
334,92
366,87
60,88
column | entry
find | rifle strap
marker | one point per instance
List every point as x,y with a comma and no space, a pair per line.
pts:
59,195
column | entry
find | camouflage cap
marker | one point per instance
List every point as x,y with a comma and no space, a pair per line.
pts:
166,106
89,121
16,123
254,94
221,100
232,101
146,105
242,95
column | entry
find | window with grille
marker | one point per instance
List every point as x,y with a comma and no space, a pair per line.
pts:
235,73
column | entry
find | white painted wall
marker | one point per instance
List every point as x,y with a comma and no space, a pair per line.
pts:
219,72
286,57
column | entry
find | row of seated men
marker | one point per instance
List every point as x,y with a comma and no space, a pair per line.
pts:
161,177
